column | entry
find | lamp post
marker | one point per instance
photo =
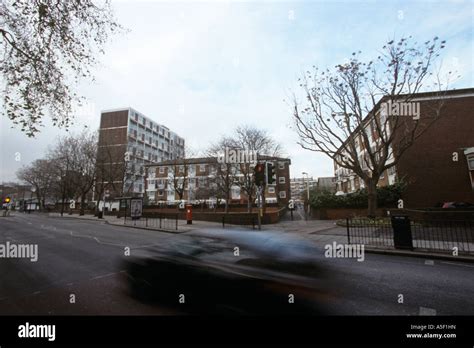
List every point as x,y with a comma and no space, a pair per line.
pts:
307,191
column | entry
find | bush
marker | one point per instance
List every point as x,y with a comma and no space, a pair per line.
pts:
387,197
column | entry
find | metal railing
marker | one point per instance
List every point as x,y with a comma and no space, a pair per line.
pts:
240,219
168,222
439,236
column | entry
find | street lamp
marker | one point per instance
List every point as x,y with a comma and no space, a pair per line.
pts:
307,191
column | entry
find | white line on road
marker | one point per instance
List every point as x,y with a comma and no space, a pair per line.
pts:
457,264
96,239
106,275
429,262
427,311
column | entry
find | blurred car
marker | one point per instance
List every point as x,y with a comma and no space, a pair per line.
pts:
270,270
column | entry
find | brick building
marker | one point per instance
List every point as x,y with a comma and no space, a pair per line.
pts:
201,178
299,187
127,141
439,166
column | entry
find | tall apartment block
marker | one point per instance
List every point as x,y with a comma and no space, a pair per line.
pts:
127,141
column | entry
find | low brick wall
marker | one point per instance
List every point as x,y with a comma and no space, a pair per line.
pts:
343,213
271,216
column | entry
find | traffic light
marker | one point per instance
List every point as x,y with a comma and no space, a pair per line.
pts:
7,200
259,174
270,174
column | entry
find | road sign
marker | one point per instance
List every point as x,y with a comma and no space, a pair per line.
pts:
136,208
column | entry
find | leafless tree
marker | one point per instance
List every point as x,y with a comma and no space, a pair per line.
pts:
343,113
40,174
224,177
247,138
84,164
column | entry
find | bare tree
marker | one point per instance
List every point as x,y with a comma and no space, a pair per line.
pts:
179,173
40,174
250,139
84,164
62,154
178,176
47,47
345,111
224,176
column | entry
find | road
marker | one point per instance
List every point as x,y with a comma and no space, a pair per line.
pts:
83,258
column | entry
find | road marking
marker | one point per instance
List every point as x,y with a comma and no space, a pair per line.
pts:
457,264
427,311
96,239
37,292
105,275
429,262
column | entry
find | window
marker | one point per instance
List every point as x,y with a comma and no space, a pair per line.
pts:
181,169
202,167
162,170
281,180
271,189
282,194
281,165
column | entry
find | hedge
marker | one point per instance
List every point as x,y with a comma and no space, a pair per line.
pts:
387,197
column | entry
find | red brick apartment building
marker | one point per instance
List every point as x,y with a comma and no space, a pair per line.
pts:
439,166
200,174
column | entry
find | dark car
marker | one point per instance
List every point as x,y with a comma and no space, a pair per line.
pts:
269,273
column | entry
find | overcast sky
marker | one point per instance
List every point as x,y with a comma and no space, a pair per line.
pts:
202,68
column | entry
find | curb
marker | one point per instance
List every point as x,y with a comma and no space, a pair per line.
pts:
468,259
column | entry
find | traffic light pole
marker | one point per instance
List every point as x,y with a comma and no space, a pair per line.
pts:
259,202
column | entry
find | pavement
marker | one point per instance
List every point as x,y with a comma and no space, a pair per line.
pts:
84,257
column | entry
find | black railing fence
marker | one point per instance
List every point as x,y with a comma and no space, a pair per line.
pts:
401,233
157,222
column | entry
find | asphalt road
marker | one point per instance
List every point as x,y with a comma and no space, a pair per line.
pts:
83,258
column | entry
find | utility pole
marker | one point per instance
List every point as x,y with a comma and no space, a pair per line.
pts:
307,191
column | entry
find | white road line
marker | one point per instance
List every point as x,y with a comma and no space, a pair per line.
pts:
427,311
105,275
429,262
457,264
96,239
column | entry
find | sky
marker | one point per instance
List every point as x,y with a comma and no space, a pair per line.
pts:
203,68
